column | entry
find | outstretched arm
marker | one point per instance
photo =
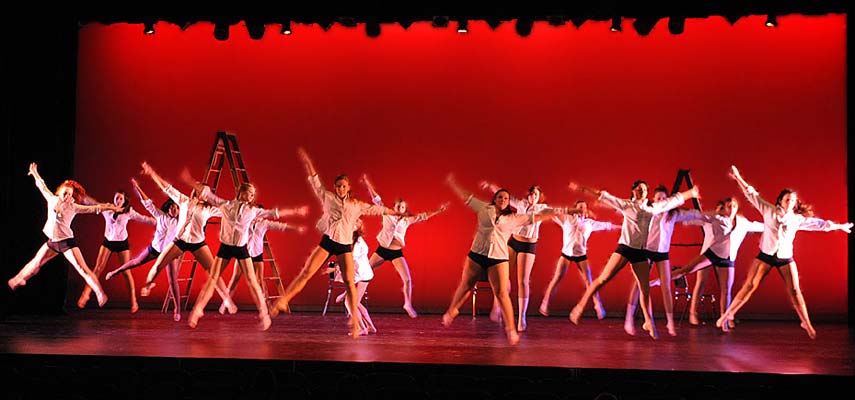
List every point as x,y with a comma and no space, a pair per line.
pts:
40,183
140,193
750,193
307,162
375,197
492,187
583,189
148,170
462,193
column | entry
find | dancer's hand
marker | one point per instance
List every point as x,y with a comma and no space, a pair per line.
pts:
301,229
302,211
573,186
450,179
146,168
734,173
484,185
444,206
135,183
34,169
301,152
847,227
695,192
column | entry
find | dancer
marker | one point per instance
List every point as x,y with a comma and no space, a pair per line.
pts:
724,231
781,222
391,241
577,229
497,220
341,211
362,275
62,207
637,214
257,230
237,215
523,245
193,215
658,246
116,241
166,226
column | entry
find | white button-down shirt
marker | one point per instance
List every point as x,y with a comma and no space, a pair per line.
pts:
257,230
577,229
637,216
395,227
362,271
491,237
723,237
165,228
192,216
523,206
59,217
237,217
662,228
116,229
340,215
780,227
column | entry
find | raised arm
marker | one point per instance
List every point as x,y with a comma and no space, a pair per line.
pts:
490,186
750,193
462,193
375,197
40,183
148,170
584,189
143,197
203,191
307,162
424,216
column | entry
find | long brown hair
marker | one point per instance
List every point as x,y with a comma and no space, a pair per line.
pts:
800,208
507,211
78,193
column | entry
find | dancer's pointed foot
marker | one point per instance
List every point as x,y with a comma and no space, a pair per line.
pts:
809,329
693,319
410,310
135,307
14,283
340,298
513,337
449,317
601,311
176,316
720,320
522,325
265,322
222,309
496,315
544,309
280,306
110,275
629,326
101,296
575,314
146,289
232,307
195,315
651,330
672,329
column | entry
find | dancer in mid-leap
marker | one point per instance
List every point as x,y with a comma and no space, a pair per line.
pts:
116,241
341,211
166,225
781,222
62,206
391,239
497,220
577,229
363,273
637,214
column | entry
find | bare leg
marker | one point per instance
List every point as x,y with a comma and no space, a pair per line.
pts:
129,278
725,279
756,274
552,287
375,262
585,271
144,257
74,256
313,263
498,275
613,266
236,274
525,262
361,287
100,262
255,289
206,259
403,269
172,278
697,292
790,274
347,273
43,255
170,252
631,305
664,269
468,278
207,291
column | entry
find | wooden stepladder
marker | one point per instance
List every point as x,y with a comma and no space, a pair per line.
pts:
226,149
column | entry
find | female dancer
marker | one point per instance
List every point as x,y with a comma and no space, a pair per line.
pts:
781,221
724,232
341,211
658,246
193,214
523,244
164,232
61,209
637,214
497,220
577,229
237,215
391,241
257,229
362,275
116,241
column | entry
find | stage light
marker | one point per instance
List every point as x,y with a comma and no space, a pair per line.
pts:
440,22
616,24
286,28
643,24
255,29
148,28
676,25
372,29
221,30
524,25
771,21
463,26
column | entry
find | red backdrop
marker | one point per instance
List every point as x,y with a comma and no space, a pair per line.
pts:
413,105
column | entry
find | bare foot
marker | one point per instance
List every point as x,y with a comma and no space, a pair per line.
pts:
232,307
720,320
265,322
496,315
146,289
280,306
102,298
81,302
109,275
544,309
135,307
448,318
410,310
513,337
731,324
575,314
372,329
193,321
629,326
222,309
340,298
176,317
601,312
651,330
672,330
809,329
15,283
693,319
521,325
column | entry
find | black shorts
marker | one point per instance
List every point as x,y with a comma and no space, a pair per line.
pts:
333,247
227,252
388,254
717,261
773,261
191,247
60,246
522,247
575,258
484,261
258,258
116,247
633,255
655,256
